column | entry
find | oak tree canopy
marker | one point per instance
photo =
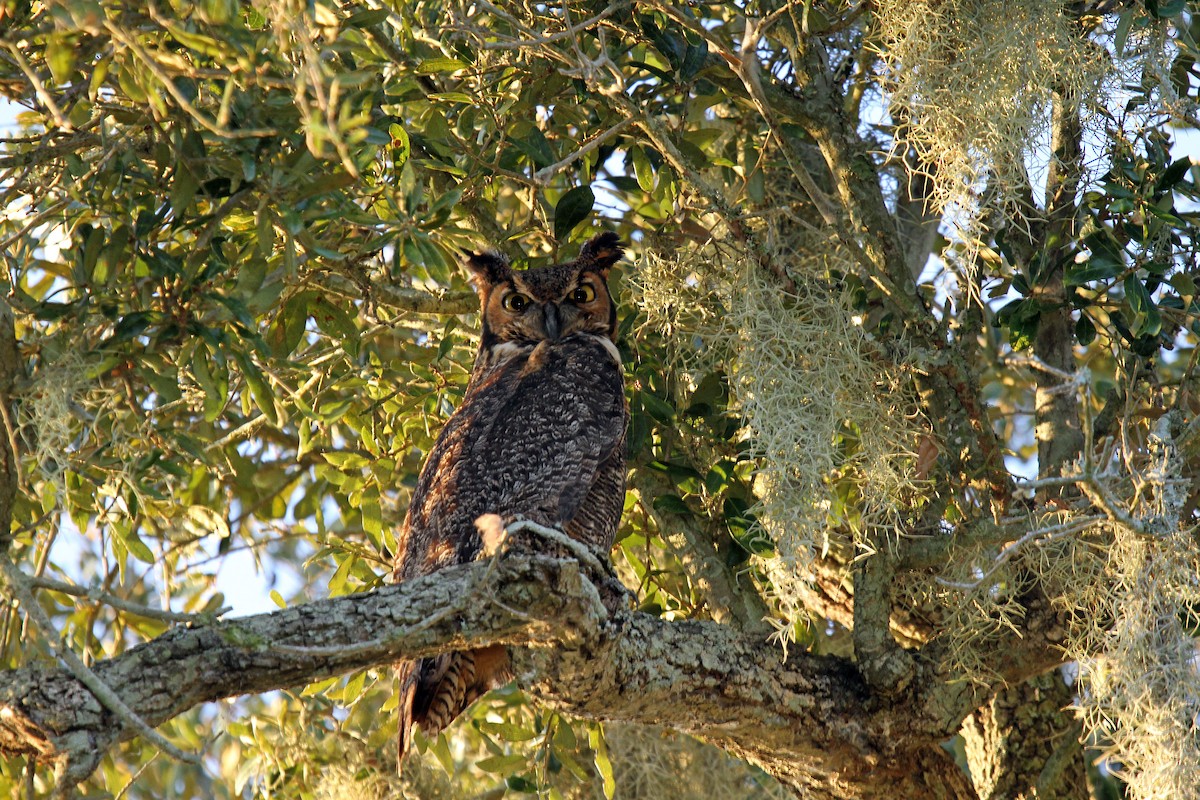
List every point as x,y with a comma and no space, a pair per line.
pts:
910,332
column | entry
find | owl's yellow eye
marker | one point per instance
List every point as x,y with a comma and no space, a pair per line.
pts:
584,293
515,302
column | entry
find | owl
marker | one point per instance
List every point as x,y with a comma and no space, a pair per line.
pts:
540,435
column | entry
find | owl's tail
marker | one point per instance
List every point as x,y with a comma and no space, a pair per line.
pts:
434,691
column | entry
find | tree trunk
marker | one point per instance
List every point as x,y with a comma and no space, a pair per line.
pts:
1024,742
1022,746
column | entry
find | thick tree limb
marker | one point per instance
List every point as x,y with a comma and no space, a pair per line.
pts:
812,721
45,712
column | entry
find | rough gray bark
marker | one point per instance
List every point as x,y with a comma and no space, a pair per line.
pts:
1025,723
812,721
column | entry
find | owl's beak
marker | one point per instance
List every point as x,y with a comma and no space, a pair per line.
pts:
551,321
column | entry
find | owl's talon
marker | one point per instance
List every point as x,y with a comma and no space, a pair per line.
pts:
492,532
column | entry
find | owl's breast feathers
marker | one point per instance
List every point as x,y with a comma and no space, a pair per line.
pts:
540,435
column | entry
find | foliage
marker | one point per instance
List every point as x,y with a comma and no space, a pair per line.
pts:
230,236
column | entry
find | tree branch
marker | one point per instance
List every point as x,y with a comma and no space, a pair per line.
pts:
811,721
399,298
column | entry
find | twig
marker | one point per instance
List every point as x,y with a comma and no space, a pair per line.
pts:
570,30
402,299
98,595
40,88
133,778
32,222
1052,482
1072,378
1046,535
1096,492
543,176
19,585
245,429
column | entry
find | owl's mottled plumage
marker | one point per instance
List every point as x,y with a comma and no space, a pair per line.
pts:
540,435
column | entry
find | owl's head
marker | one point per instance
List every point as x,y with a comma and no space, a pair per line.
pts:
546,303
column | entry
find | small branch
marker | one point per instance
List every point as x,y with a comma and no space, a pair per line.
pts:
1076,378
98,595
1040,535
888,667
1103,500
570,30
576,548
401,299
39,88
19,586
542,176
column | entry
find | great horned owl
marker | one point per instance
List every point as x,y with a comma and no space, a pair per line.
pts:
540,435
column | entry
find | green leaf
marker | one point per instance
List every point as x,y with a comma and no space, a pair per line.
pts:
335,323
441,751
216,389
520,784
1094,269
658,408
431,66
260,389
572,209
354,688
365,19
136,547
285,333
507,731
1021,317
671,504
1147,320
536,147
1184,284
1173,174
1122,33
60,57
502,764
693,58
1135,292
112,255
642,169
401,146
372,516
337,583
1162,9
320,687
1085,330
603,764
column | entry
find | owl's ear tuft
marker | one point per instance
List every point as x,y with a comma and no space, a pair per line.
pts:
601,252
488,269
